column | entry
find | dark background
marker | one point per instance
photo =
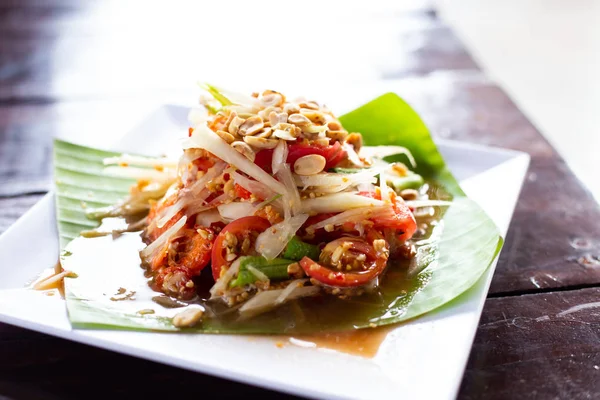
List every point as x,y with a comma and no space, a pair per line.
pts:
89,70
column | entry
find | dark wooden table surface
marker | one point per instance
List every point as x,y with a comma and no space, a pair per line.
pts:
530,343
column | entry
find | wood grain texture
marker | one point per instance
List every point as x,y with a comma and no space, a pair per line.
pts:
27,131
59,79
541,250
552,242
11,208
542,346
554,239
531,346
67,52
33,365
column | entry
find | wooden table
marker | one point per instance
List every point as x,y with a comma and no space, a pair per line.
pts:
532,342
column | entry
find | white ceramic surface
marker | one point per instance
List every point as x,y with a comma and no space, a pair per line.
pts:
422,359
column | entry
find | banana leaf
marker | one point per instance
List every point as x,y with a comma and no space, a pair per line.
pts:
110,289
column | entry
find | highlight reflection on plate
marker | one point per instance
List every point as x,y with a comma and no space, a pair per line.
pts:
433,348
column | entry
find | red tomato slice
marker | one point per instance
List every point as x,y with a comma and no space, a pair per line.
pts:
321,235
318,218
333,154
264,159
403,222
240,228
241,193
375,264
406,219
203,164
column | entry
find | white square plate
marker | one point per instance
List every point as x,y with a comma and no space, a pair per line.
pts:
421,359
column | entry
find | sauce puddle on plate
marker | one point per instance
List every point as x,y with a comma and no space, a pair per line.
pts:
361,342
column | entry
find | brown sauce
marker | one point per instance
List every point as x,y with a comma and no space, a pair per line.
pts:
362,342
323,313
297,319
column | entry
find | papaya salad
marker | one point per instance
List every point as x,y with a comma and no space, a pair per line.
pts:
274,200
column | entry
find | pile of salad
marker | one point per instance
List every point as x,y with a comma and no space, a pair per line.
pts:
278,201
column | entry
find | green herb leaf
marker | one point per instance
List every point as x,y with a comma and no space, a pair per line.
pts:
338,170
221,98
389,120
460,249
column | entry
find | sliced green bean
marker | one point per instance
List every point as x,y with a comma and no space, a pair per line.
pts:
273,269
296,249
411,181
